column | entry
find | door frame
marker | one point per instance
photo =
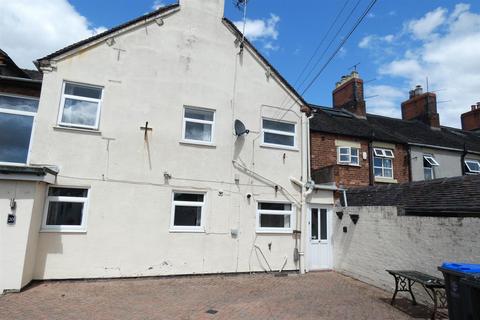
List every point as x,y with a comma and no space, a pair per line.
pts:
308,250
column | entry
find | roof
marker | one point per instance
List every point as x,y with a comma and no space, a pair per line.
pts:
11,70
26,170
110,31
388,129
458,196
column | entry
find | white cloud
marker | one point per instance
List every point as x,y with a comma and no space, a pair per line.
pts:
259,29
372,39
450,61
425,26
384,100
157,4
32,29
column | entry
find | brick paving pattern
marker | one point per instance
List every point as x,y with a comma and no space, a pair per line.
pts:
323,295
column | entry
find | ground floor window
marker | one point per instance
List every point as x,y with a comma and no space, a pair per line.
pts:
187,211
66,209
275,217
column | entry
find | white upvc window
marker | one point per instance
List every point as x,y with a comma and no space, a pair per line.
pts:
429,163
473,166
278,134
348,155
66,209
383,163
198,125
80,106
17,119
188,211
275,217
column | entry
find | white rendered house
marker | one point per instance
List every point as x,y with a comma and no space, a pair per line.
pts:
149,176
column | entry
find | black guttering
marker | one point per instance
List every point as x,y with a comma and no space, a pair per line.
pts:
108,32
36,171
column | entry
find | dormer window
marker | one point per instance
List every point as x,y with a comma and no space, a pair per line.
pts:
429,163
472,166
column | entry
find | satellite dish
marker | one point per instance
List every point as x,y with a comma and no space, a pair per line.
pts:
240,128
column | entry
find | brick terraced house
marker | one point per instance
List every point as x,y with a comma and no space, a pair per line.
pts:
352,148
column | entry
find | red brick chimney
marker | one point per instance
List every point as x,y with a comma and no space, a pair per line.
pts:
471,119
348,95
421,106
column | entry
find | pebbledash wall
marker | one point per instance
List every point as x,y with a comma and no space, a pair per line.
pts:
189,60
383,239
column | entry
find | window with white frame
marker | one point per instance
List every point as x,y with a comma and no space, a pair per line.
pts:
348,155
383,163
80,106
473,166
66,209
429,163
198,125
187,211
17,115
278,133
275,217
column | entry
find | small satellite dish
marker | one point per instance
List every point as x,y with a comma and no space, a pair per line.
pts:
240,128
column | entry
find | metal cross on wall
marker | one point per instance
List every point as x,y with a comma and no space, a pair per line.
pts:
119,52
146,129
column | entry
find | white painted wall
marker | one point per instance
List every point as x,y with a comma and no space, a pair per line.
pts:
18,242
383,240
190,60
450,162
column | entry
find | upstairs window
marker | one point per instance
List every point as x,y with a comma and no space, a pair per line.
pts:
348,155
80,106
187,211
198,125
278,133
473,166
383,163
17,115
429,163
66,209
275,217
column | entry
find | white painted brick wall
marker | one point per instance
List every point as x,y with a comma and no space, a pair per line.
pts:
383,240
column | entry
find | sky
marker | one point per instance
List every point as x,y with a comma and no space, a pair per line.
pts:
398,45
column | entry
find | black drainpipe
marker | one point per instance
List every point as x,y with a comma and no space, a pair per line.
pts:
462,159
409,155
370,160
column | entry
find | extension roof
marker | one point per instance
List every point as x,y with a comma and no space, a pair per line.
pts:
393,130
162,10
458,196
10,69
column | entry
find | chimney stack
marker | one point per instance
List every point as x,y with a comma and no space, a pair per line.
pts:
421,106
471,119
348,95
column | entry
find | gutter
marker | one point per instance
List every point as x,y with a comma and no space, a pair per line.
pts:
442,148
21,79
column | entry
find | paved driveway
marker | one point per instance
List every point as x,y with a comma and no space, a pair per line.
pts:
325,295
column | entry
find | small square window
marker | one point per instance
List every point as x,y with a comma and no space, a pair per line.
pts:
348,155
198,125
65,209
187,211
278,133
80,106
275,217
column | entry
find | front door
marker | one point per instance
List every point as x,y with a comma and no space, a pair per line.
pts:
320,250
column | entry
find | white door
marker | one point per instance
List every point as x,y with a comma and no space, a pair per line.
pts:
320,247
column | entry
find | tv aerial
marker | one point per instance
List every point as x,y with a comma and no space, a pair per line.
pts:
240,129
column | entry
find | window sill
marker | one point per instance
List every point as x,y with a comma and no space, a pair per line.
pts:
273,231
349,165
385,180
175,230
198,143
279,147
83,130
62,231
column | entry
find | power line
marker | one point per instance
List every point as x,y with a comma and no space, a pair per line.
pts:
342,43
